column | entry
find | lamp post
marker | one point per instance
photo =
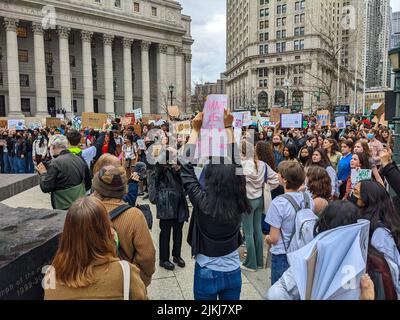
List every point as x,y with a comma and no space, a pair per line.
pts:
394,56
171,91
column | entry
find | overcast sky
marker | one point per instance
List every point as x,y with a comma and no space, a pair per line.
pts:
209,33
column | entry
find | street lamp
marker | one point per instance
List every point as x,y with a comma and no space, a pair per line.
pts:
171,91
394,56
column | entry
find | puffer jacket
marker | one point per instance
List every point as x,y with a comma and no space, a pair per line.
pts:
170,198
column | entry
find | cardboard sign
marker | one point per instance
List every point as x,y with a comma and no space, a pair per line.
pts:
382,121
93,120
138,129
53,122
128,121
145,120
237,119
173,111
3,124
275,114
138,113
341,122
141,144
294,120
214,111
16,124
183,127
324,118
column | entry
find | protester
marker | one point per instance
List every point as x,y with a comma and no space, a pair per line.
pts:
304,155
332,150
344,166
318,183
86,265
390,171
375,145
64,176
136,244
129,154
290,153
278,149
39,149
20,154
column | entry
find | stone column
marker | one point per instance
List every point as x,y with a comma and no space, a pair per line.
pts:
40,70
65,72
14,93
108,74
163,85
179,77
188,77
128,93
145,46
87,70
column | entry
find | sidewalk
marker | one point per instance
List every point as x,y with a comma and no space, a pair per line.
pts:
166,285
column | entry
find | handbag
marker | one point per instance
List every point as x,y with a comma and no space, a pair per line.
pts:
126,271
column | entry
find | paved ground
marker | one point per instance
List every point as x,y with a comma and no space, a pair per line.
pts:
166,285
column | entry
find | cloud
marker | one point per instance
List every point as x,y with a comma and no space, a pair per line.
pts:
209,34
395,5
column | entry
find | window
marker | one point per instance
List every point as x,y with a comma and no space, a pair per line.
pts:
281,47
74,84
117,3
48,57
265,82
154,11
261,49
136,7
261,24
22,32
261,36
299,31
24,80
75,104
1,79
47,35
284,8
94,85
23,55
72,61
50,82
26,105
71,39
298,45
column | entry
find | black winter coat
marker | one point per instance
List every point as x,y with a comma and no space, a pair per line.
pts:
392,174
169,195
112,147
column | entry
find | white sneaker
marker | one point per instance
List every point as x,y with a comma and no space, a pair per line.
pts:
243,267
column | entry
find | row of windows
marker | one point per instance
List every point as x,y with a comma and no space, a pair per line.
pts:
281,70
281,22
136,6
282,9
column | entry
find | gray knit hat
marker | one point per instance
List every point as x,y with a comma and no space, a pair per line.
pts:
111,182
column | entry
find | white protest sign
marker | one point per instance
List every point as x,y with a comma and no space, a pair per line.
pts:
247,120
212,143
358,175
341,122
294,120
16,124
138,114
60,116
237,119
214,111
141,144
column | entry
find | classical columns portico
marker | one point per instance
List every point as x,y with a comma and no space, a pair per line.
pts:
87,70
65,73
179,76
108,74
163,85
188,77
40,70
14,93
145,46
128,102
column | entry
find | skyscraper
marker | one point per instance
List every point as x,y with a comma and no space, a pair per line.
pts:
291,53
395,33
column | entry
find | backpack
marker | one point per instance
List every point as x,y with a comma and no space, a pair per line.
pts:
304,224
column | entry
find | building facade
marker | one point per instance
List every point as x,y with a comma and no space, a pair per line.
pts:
378,42
291,53
395,33
106,56
202,90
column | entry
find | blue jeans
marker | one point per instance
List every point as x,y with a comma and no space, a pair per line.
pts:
19,165
279,265
11,161
211,285
6,163
29,166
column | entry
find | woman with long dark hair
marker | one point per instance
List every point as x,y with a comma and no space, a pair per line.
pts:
332,150
290,153
39,148
318,183
214,232
358,161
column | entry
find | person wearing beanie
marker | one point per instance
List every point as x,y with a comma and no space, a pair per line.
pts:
136,245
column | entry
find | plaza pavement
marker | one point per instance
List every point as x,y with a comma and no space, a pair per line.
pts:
166,285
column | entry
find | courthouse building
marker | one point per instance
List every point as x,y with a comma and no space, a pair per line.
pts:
107,56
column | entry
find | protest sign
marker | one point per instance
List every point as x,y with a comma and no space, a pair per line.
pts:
382,120
141,144
94,120
247,121
341,122
214,111
275,114
146,120
264,122
138,114
237,119
294,120
3,124
35,125
60,116
128,121
182,127
212,143
138,129
305,124
324,118
16,124
53,122
76,122
173,111
358,175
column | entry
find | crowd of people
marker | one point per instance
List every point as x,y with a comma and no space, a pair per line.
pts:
99,177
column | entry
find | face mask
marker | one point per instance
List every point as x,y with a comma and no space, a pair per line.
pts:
269,134
40,137
370,136
276,144
304,159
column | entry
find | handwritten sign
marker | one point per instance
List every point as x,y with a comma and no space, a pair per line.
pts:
3,124
360,175
341,122
294,120
237,119
127,121
53,122
93,120
264,122
324,118
212,143
247,121
76,122
16,124
214,111
275,114
183,127
35,125
138,113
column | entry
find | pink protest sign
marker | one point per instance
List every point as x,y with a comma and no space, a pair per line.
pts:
214,111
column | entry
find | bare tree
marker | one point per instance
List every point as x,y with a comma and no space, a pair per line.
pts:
165,98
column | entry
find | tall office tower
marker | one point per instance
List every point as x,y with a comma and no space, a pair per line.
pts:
395,32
